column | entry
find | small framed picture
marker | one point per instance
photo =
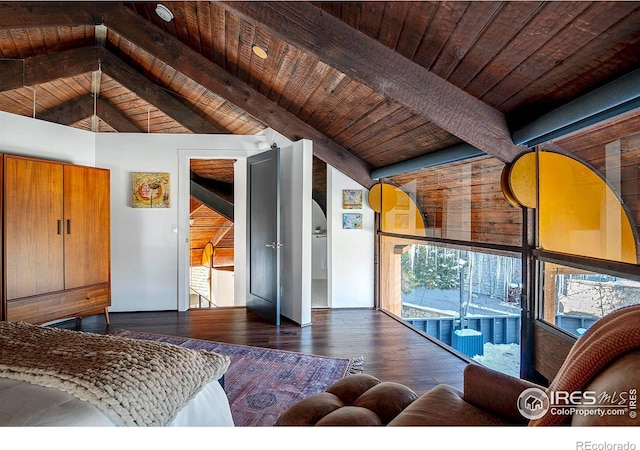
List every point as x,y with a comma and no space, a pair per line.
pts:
150,190
352,221
352,199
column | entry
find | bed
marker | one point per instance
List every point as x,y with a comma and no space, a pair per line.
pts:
55,377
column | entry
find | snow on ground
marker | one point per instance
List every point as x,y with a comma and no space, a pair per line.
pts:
504,358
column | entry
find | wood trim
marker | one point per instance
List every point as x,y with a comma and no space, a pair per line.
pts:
608,267
62,304
335,43
551,349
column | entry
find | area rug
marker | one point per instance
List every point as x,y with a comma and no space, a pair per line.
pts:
261,383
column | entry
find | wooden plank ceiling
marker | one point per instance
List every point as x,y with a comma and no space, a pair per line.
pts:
371,83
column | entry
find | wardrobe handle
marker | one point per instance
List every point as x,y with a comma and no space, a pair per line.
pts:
59,226
68,226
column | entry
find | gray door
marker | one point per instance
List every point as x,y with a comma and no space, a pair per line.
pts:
263,235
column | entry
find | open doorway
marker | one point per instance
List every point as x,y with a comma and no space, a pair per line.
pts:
211,233
319,245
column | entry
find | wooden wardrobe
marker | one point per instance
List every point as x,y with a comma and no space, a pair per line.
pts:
56,245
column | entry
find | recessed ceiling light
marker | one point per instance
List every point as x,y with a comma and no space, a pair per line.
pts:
259,51
164,13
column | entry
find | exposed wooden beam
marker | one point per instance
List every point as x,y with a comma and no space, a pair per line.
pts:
44,68
212,200
110,114
337,44
48,14
80,108
131,79
192,64
70,112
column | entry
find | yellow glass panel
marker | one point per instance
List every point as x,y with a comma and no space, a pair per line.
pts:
579,213
207,254
399,213
522,180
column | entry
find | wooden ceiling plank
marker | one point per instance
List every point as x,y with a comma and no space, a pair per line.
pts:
349,110
245,53
286,67
366,106
395,14
219,81
508,22
345,87
563,83
443,22
323,92
385,71
466,33
151,93
552,17
370,18
590,24
414,27
300,85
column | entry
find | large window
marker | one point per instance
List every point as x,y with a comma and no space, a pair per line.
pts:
466,299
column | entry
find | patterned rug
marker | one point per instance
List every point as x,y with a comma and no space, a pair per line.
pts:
261,383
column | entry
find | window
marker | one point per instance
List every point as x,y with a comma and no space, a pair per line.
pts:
588,223
574,299
466,299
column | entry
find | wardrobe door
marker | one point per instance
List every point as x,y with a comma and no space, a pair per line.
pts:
33,240
86,226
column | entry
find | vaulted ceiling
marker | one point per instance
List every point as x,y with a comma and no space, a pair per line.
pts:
371,83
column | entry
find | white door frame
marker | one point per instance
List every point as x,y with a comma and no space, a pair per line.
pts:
184,188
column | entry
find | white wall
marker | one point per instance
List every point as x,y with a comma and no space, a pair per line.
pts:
350,252
222,287
40,139
150,247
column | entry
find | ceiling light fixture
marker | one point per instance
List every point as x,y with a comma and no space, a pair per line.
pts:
259,51
164,13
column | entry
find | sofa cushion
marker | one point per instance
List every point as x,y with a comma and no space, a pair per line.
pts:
443,406
354,400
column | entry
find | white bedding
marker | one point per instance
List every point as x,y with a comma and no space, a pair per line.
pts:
23,404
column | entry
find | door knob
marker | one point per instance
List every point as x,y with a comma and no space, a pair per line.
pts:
274,245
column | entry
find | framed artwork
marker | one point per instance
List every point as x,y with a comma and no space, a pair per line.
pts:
150,190
352,199
352,221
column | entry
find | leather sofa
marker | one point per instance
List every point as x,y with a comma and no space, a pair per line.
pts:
602,372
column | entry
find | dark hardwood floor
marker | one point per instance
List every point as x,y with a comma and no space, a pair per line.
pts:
392,350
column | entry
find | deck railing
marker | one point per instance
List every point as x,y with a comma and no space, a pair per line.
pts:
500,329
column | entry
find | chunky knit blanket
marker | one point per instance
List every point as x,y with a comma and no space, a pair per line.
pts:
133,382
606,340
